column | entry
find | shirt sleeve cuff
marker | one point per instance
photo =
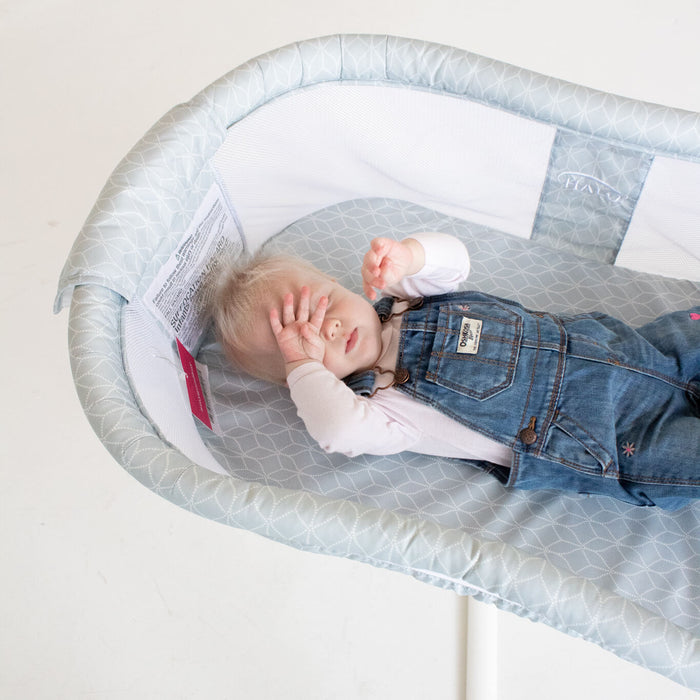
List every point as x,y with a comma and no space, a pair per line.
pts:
304,370
442,252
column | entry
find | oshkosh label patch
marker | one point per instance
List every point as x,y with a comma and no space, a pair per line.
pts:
469,336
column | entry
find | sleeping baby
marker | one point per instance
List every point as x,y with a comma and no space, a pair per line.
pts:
578,402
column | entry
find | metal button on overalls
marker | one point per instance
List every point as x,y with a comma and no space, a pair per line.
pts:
528,436
401,376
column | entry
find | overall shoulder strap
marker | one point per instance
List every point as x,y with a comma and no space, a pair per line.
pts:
361,383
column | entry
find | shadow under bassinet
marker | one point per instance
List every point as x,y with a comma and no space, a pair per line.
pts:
567,198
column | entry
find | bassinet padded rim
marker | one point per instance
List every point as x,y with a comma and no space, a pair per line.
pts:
157,176
176,150
443,557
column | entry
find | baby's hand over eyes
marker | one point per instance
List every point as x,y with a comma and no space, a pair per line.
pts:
298,332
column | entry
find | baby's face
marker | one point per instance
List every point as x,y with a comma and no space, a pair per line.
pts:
351,329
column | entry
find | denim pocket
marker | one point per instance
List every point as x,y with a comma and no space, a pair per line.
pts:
476,347
570,443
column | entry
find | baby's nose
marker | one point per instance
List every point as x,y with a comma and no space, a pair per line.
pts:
331,328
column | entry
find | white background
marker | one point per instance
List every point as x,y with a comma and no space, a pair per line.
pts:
106,590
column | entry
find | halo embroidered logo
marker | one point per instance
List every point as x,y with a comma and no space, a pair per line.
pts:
587,184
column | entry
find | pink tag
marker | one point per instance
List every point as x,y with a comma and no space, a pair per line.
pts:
195,393
694,317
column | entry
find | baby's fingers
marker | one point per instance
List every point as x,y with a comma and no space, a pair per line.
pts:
369,282
374,257
288,309
303,310
369,292
275,324
372,268
319,313
380,245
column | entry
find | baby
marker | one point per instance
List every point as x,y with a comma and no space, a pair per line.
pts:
579,403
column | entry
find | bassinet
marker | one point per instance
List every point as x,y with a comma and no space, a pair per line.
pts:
566,198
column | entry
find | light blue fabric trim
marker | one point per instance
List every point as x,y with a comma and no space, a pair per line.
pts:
491,571
589,196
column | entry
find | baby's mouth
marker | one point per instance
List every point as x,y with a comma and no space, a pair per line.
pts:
352,341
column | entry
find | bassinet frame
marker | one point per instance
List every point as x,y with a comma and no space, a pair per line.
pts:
156,189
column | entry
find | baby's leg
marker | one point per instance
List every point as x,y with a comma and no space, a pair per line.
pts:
674,436
638,391
677,335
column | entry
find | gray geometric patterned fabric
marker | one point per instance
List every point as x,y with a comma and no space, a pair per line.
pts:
257,446
622,577
590,195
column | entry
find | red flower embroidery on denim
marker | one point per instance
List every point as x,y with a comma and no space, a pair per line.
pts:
628,448
694,316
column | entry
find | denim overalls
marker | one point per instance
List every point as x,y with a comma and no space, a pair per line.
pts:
586,403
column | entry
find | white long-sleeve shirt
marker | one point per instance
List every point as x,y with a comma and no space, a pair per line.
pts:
391,422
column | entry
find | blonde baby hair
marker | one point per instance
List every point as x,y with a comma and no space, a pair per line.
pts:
240,302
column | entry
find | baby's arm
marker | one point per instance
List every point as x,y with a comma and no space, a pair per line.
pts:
425,264
341,421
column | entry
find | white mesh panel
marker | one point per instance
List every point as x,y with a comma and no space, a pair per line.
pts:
332,143
664,234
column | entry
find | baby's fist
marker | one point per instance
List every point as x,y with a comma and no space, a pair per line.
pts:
388,261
